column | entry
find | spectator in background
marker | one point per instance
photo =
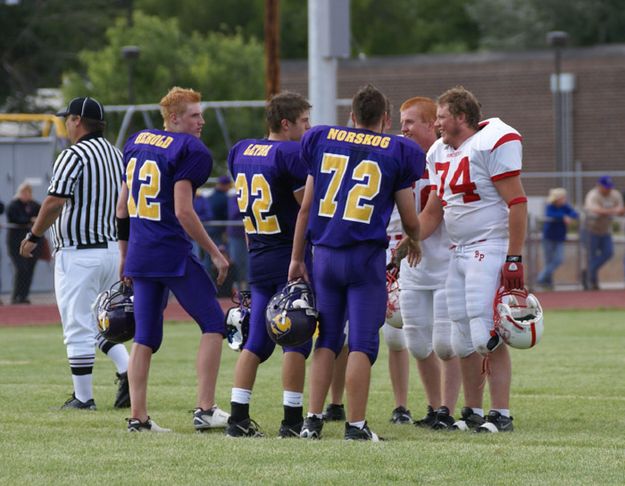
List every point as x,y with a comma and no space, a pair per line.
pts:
558,215
602,203
237,246
218,206
203,210
21,214
1,211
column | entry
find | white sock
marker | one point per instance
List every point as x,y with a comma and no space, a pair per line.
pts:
360,424
241,395
83,387
292,399
119,355
503,411
318,415
478,411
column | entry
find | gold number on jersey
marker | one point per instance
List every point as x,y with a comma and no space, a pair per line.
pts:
150,186
265,224
355,207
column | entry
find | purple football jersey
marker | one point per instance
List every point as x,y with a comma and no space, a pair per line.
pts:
266,173
154,161
357,173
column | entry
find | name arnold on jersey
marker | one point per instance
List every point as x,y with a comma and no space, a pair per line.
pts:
359,138
147,138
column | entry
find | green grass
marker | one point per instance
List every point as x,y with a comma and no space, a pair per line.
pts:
568,400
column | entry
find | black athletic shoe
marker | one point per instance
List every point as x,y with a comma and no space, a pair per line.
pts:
74,403
311,428
135,425
401,416
428,420
495,422
122,399
289,431
354,433
469,420
243,428
444,421
334,413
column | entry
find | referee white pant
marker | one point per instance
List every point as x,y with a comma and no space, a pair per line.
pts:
79,276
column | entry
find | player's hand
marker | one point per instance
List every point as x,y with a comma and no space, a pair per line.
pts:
512,275
414,252
222,265
298,270
27,247
400,252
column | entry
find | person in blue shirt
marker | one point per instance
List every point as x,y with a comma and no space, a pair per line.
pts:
558,215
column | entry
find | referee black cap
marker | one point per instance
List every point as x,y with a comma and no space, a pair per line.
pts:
85,107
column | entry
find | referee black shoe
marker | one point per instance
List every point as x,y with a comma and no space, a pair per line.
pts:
122,399
74,403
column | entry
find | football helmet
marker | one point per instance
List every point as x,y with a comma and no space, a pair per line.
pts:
518,318
291,315
393,314
238,320
114,312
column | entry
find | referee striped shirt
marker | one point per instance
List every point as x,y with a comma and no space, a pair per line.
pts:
89,175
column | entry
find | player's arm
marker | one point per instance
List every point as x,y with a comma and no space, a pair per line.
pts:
123,226
190,222
297,267
430,216
50,210
511,191
404,199
299,195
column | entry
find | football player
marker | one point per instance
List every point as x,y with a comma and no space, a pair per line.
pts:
355,176
163,169
475,172
269,179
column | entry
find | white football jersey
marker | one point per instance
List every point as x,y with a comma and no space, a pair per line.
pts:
473,209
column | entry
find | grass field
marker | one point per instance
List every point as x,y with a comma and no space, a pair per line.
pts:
568,401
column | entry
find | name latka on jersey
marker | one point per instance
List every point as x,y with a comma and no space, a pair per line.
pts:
257,150
358,138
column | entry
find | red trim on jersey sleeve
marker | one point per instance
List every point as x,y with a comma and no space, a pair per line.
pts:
517,200
505,175
508,137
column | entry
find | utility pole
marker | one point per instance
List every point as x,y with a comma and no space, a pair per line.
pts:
272,47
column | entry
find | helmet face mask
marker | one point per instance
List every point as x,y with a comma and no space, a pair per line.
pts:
114,313
518,318
238,320
291,315
393,313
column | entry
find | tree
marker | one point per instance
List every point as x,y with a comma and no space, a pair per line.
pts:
220,66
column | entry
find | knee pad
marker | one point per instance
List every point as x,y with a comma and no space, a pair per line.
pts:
441,340
419,341
461,339
394,338
484,341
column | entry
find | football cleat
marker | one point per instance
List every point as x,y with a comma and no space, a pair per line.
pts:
243,428
334,413
75,404
444,421
214,418
289,431
122,399
401,416
135,425
354,433
495,422
469,420
311,428
428,420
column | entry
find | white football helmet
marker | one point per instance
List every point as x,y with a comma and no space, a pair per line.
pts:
238,320
393,314
518,318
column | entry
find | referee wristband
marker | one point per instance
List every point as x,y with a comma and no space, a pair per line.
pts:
32,237
514,258
123,228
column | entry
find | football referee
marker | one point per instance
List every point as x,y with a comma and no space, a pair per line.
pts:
86,179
